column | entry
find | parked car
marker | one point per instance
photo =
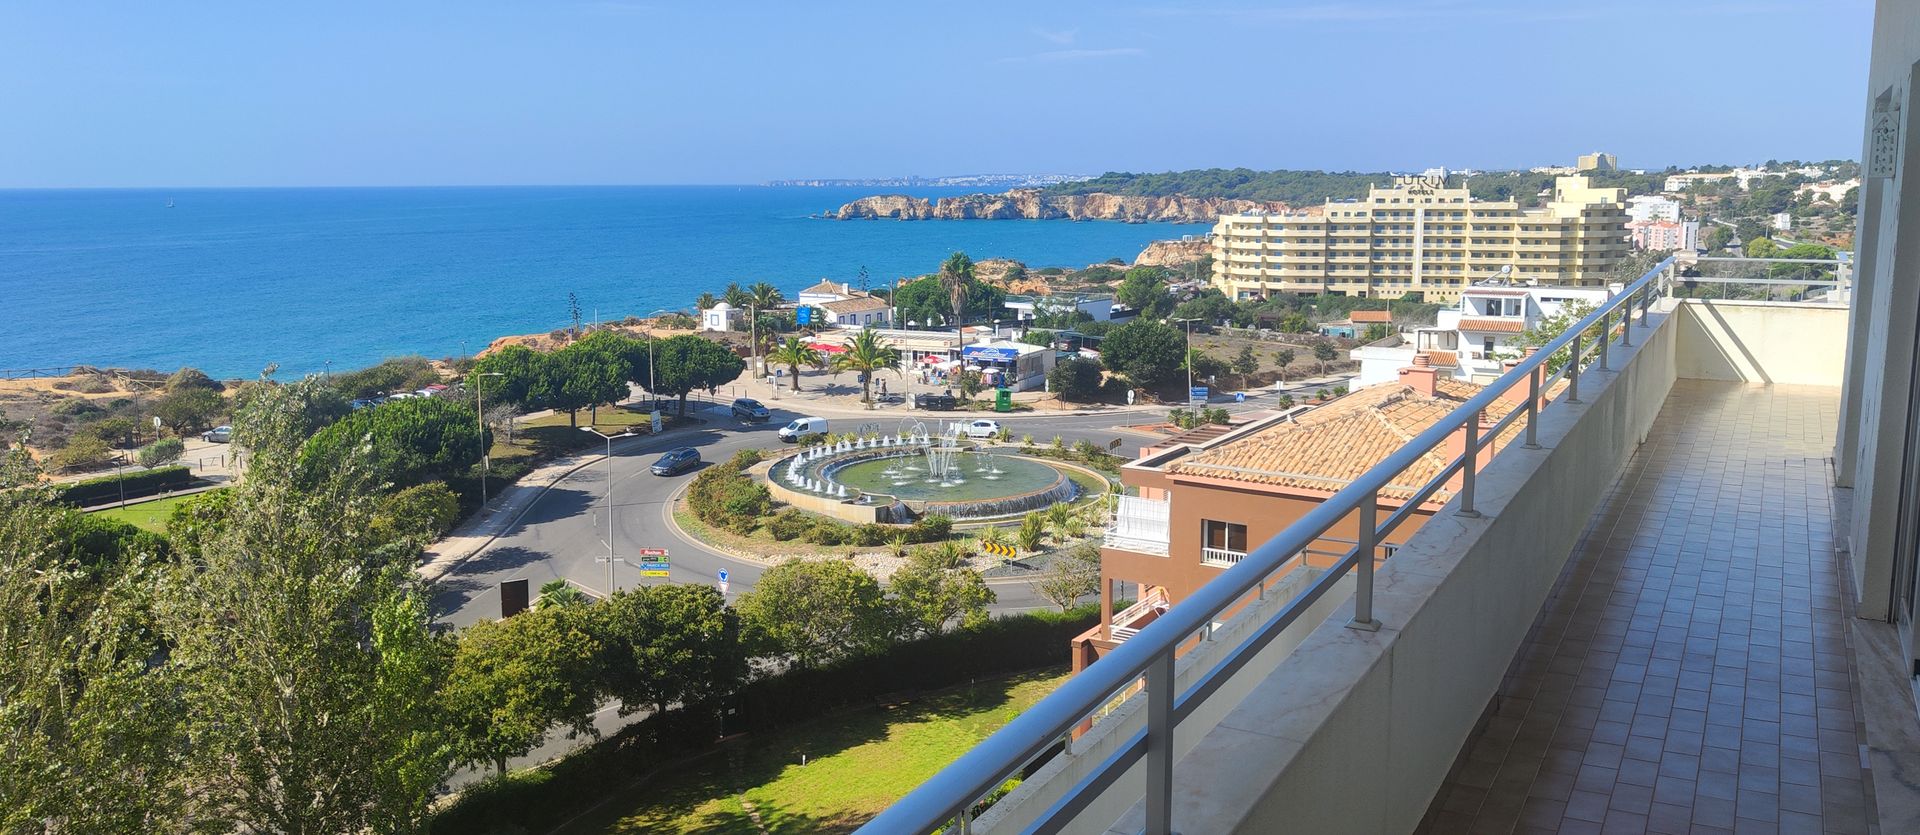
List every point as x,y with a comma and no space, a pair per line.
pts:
802,428
936,402
218,435
677,461
983,429
747,408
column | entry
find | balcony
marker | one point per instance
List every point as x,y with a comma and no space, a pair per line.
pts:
1593,632
1221,557
1139,525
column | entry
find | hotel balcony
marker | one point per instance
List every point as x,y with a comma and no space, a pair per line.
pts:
1139,525
1635,617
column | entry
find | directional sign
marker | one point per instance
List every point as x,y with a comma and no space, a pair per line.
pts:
654,552
1197,395
655,569
998,549
723,575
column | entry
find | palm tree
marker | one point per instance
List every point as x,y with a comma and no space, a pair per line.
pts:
705,301
956,276
794,353
736,296
867,354
559,593
765,296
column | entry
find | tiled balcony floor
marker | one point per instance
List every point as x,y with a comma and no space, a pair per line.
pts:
1690,671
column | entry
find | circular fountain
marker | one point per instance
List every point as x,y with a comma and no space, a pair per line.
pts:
929,471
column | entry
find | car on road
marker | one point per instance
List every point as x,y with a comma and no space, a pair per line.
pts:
802,428
747,408
983,429
218,435
677,461
936,402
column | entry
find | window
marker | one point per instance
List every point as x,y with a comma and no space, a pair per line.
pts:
1487,345
1225,535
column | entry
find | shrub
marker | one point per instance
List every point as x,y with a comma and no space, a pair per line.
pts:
1033,531
745,458
726,497
116,431
789,524
1076,380
76,407
930,528
828,532
82,452
422,512
161,452
871,535
146,483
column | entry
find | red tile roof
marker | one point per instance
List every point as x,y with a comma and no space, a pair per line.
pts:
1493,325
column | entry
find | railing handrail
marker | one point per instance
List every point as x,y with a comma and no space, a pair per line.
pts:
952,791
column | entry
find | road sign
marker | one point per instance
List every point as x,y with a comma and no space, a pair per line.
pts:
655,569
723,575
998,549
654,552
723,586
1197,396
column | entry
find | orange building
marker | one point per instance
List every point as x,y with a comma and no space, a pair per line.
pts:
1207,498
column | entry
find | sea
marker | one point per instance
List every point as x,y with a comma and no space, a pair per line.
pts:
314,279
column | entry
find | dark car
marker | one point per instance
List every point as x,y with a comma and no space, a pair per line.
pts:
747,408
677,461
936,402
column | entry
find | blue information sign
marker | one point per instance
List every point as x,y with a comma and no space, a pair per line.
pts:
1196,395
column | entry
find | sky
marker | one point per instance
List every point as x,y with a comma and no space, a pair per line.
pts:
426,92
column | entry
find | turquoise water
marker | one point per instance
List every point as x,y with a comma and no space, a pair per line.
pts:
231,280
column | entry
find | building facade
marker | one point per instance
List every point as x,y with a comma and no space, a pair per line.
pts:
1652,207
1597,161
1422,236
1665,235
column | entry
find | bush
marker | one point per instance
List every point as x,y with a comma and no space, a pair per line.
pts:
871,535
161,452
97,490
423,511
82,452
1076,380
930,528
828,532
116,431
789,524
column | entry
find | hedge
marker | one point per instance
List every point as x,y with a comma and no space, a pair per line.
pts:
536,800
108,488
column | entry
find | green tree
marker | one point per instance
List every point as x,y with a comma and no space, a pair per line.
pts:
705,301
587,374
923,300
1072,575
1376,332
816,612
1145,351
299,642
1324,352
162,452
867,355
1145,290
736,296
1294,323
765,296
82,452
196,519
1717,238
930,592
410,441
1210,307
559,592
1076,379
418,514
1284,357
793,353
512,681
667,645
189,410
689,363
1245,363
1762,248
522,380
1551,327
956,278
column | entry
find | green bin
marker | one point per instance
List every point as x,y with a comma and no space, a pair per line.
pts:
1003,399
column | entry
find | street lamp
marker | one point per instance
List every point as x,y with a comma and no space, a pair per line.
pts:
609,439
480,417
1189,357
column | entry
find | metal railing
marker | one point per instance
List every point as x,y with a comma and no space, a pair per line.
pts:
949,798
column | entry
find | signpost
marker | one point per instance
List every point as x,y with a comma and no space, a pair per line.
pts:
723,581
1197,396
654,563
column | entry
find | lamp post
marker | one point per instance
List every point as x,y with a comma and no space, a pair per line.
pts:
480,417
1189,357
609,440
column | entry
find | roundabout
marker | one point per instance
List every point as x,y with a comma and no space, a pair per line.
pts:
899,477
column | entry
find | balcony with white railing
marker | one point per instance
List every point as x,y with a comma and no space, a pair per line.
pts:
1229,729
1221,557
1139,525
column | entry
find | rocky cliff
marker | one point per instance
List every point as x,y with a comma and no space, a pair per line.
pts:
1030,204
1172,253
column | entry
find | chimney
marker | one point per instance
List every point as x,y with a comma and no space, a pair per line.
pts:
1420,376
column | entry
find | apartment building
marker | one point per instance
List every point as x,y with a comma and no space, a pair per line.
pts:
1421,235
1207,497
1597,161
1472,340
1652,207
1664,235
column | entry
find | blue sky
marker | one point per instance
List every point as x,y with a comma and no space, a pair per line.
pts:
607,91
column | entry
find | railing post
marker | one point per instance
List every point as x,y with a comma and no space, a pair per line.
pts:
1626,323
1533,409
1363,571
1160,745
1606,336
1573,370
1467,461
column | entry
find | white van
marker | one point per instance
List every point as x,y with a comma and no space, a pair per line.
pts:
803,427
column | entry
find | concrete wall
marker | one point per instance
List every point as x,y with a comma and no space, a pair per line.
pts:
1384,714
1761,342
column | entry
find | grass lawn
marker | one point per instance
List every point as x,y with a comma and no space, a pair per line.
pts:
552,435
857,764
151,516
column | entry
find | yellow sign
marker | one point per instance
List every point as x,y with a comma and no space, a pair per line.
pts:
1007,551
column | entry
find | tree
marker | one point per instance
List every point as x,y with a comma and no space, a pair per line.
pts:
299,643
559,592
189,410
925,300
1209,308
513,680
522,380
1324,352
1377,331
956,278
418,514
667,645
689,363
406,442
1144,290
1762,248
1294,323
1145,351
82,452
1076,380
930,592
162,452
1073,574
1746,229
793,353
816,612
765,296
1717,238
1284,357
705,301
1245,363
587,374
1551,327
867,355
735,296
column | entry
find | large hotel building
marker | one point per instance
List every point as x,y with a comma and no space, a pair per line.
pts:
1422,236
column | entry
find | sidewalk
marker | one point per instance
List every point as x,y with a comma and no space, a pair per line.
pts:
823,395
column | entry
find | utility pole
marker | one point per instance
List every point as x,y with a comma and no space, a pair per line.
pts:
609,498
1189,358
573,307
480,417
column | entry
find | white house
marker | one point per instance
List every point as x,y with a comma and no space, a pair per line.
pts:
1652,207
841,306
720,317
1027,307
1471,339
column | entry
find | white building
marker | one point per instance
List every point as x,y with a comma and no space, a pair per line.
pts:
1653,207
1781,221
720,317
1027,307
1472,339
841,306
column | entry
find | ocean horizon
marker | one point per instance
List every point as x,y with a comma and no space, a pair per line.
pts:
230,280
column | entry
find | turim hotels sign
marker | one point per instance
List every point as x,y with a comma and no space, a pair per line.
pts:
1422,184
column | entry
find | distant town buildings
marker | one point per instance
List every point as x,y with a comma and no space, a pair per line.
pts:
1781,221
1422,235
1652,207
1471,340
1665,235
1597,161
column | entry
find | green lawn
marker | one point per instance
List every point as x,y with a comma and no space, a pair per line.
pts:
857,764
150,516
